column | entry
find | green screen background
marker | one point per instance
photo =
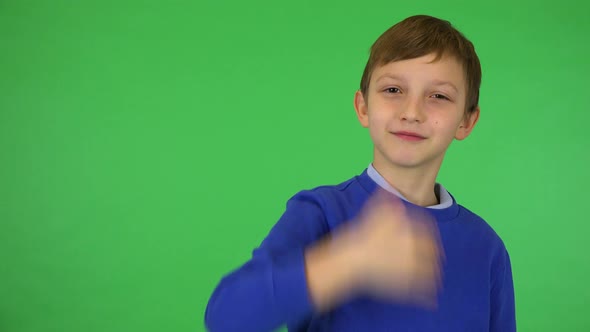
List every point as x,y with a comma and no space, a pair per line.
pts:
148,146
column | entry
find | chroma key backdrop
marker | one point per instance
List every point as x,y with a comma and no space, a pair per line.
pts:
147,147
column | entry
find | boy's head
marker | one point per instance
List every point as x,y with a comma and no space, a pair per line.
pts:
420,35
419,91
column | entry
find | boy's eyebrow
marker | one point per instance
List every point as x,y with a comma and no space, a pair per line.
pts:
451,85
395,77
433,82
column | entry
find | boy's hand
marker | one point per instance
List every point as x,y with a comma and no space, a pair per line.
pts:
398,252
388,252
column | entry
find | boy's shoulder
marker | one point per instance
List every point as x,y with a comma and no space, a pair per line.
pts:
479,229
335,202
347,189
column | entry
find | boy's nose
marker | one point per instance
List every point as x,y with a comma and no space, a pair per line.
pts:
412,111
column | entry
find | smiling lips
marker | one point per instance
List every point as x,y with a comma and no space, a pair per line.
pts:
409,136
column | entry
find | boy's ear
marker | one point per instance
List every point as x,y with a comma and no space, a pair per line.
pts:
467,125
360,106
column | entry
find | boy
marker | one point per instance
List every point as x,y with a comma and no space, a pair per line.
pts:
389,249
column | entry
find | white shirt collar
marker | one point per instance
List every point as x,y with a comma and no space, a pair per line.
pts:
445,198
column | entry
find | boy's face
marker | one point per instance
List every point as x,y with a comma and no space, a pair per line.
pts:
415,97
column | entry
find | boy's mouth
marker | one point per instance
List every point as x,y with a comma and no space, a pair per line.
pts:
409,136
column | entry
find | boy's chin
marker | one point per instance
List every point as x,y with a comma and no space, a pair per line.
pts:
410,162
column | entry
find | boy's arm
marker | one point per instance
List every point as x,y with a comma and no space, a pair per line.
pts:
503,316
270,290
385,252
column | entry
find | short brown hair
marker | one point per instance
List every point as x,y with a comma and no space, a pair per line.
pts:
420,35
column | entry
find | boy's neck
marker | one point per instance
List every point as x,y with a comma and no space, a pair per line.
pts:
416,185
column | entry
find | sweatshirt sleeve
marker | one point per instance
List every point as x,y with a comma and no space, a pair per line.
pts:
270,290
503,316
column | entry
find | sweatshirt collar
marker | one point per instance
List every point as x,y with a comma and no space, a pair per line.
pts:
441,214
442,193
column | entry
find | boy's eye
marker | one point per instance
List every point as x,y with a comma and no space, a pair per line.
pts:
392,90
439,96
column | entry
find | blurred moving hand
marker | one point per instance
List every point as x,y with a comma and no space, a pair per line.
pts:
388,252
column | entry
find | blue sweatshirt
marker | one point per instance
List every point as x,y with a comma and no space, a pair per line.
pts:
270,290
